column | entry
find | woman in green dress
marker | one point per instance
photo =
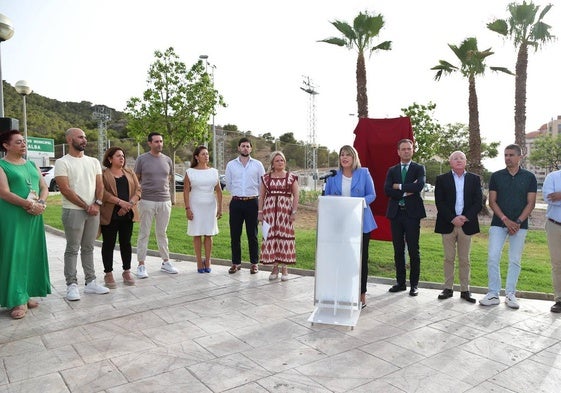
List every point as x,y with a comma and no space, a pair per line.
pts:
24,268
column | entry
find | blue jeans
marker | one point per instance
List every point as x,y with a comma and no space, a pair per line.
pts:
497,239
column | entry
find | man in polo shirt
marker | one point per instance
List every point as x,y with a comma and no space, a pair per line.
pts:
552,195
243,177
512,197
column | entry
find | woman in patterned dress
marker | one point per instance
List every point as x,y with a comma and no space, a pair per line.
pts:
278,203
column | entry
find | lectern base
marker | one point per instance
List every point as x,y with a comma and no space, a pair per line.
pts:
335,316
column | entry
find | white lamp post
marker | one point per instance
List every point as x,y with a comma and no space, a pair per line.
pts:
23,88
214,152
6,32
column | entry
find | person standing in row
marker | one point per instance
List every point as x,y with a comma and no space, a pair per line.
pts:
278,205
552,196
24,265
202,195
403,185
243,176
512,197
79,180
154,171
353,181
120,196
459,200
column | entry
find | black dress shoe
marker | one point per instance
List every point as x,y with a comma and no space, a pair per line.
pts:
467,296
397,288
556,307
446,294
414,291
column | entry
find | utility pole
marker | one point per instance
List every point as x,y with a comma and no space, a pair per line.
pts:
311,149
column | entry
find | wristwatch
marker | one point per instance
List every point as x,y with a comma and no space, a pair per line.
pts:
98,202
518,221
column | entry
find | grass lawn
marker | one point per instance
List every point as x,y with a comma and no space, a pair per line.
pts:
535,275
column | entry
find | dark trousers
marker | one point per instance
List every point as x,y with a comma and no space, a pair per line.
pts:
122,227
240,212
364,272
406,229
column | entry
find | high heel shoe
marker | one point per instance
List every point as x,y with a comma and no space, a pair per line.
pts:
274,273
284,276
206,268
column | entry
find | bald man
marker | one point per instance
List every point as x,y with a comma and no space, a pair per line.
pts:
458,199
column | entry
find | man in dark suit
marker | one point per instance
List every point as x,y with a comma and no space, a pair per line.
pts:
403,186
458,199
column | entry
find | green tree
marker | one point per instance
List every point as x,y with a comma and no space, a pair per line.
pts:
178,103
359,36
472,64
456,137
546,152
525,31
425,128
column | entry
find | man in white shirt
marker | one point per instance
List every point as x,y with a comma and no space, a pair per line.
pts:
243,177
79,179
552,195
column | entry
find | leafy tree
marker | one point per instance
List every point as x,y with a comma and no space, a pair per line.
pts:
525,31
425,128
472,64
546,152
456,137
178,103
360,36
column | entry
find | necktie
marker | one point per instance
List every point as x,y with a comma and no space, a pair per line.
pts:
403,173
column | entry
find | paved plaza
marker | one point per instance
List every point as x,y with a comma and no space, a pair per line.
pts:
218,332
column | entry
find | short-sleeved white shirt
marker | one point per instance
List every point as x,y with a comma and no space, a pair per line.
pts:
81,173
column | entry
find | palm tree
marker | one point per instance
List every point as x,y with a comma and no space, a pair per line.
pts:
525,32
472,64
360,36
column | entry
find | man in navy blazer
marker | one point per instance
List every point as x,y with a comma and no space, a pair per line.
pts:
403,186
458,199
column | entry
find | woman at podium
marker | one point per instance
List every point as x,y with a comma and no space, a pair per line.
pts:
351,180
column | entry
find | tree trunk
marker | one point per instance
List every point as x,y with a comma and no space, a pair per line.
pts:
474,154
520,98
361,96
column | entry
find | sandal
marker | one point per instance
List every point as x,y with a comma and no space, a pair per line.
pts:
284,276
31,303
254,269
18,312
234,269
274,273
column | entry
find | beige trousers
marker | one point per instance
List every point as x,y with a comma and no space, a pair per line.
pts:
554,242
456,239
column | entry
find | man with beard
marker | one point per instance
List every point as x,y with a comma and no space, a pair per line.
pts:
79,179
243,177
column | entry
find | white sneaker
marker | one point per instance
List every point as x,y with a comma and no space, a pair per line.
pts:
511,301
490,300
168,268
141,271
72,292
94,287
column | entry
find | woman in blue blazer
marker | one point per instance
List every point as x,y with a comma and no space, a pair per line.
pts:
353,181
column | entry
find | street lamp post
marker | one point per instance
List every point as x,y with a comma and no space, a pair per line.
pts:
23,88
6,32
214,152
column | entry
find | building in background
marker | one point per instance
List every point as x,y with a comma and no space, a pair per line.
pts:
553,129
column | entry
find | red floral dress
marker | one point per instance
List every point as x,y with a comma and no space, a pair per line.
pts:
280,245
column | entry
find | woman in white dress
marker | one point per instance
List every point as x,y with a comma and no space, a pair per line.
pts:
203,205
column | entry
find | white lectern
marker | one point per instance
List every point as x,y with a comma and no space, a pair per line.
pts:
338,261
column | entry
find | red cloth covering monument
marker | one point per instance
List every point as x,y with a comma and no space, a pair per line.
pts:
376,144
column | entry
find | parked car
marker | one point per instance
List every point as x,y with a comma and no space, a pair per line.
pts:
222,181
178,182
428,187
48,173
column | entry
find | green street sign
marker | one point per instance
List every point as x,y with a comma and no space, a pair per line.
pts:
41,146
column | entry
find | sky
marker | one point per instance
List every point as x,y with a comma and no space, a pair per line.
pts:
100,51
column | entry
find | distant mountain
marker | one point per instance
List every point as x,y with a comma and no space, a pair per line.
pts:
50,118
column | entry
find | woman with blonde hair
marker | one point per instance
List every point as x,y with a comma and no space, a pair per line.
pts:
353,181
278,205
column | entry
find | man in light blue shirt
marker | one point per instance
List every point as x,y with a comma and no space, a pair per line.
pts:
552,196
243,178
